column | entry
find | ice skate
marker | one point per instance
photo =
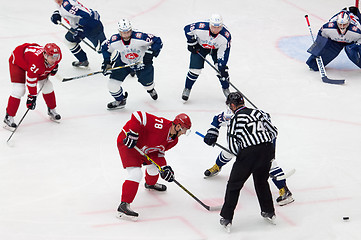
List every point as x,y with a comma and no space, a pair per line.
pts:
124,212
118,104
80,64
285,197
53,115
9,123
158,187
153,94
226,92
226,223
213,171
269,217
185,94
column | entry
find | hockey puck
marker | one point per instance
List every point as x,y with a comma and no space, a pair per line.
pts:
346,218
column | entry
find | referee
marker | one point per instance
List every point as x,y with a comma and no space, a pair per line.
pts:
250,135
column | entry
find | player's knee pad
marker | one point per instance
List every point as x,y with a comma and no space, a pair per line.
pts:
18,90
134,174
71,45
195,71
152,170
114,85
353,52
48,86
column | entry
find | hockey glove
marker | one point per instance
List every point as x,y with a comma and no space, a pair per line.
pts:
211,137
54,71
105,66
56,18
131,139
31,102
148,57
78,33
167,174
223,70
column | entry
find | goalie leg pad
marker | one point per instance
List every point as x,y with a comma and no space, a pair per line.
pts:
353,52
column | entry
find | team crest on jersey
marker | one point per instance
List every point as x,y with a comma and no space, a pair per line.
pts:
354,28
331,24
131,56
65,3
138,35
148,150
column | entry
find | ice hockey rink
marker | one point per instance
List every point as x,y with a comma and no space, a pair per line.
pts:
63,181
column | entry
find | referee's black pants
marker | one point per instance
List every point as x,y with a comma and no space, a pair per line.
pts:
255,160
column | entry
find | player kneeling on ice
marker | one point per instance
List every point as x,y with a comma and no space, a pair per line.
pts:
153,136
342,31
134,48
30,65
223,119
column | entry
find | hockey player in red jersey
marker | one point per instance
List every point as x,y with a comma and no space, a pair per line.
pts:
153,135
30,65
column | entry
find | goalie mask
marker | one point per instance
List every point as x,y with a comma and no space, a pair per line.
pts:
343,21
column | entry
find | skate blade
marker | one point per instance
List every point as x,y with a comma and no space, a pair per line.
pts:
210,176
116,108
227,228
271,221
126,217
11,129
54,120
286,201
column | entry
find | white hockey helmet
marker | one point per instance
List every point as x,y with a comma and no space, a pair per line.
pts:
343,21
124,25
216,20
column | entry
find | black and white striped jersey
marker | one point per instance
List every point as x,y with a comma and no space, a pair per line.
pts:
249,127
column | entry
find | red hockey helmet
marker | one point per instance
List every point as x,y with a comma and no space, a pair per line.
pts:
183,120
51,49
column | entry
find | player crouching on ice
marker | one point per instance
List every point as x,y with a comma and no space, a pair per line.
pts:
342,31
30,65
153,136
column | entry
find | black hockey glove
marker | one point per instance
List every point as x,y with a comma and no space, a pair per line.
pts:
78,32
223,70
55,70
148,57
167,173
354,10
211,137
56,17
131,139
105,66
31,102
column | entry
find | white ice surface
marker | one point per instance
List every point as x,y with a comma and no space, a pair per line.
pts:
63,181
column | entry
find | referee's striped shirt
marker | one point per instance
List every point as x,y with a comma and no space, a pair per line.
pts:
249,127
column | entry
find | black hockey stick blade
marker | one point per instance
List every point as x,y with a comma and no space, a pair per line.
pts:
325,79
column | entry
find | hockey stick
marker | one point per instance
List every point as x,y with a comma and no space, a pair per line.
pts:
25,114
61,24
210,64
278,178
209,208
357,3
97,72
320,65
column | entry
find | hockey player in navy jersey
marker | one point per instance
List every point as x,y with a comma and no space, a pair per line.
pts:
224,157
342,31
208,37
125,48
84,23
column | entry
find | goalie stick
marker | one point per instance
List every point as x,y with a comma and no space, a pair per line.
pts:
320,65
97,72
277,178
